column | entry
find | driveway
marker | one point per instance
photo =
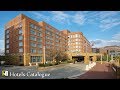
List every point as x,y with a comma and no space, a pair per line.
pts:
55,72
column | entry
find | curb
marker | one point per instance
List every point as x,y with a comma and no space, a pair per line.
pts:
75,76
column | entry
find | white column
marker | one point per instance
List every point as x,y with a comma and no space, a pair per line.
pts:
101,58
44,54
107,57
111,57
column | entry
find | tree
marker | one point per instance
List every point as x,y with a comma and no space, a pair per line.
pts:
56,55
10,59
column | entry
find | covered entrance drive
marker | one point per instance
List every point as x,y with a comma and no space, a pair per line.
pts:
78,58
84,57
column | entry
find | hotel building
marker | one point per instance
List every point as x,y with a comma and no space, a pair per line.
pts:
32,40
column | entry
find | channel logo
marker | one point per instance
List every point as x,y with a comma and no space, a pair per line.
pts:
4,73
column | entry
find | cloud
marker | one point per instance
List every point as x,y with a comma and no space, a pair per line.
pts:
61,17
79,18
65,18
108,20
116,36
40,16
1,33
106,14
105,20
2,44
102,43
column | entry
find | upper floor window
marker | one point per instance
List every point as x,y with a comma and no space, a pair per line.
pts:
77,35
7,41
20,43
32,32
20,24
40,51
7,46
7,51
39,34
39,45
7,36
33,44
38,28
33,38
32,25
20,37
20,49
7,31
33,50
20,31
39,40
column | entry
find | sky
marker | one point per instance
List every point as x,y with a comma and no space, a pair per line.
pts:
100,27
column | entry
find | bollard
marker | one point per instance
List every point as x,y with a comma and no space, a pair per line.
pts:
87,67
30,64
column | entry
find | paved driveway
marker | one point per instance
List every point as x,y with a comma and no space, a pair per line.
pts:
56,72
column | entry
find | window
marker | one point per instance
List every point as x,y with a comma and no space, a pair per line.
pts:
7,41
77,35
33,50
20,31
39,34
7,46
33,59
20,58
20,49
33,38
35,27
20,24
33,44
39,46
36,58
77,42
38,28
20,43
7,31
57,36
7,51
39,58
47,32
39,51
7,36
32,32
47,37
32,25
39,40
20,37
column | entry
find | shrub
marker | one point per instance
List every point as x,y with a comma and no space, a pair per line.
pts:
41,65
70,61
45,65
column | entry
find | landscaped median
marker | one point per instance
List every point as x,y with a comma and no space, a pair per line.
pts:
52,64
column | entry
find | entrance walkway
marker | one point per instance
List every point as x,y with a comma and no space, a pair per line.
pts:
100,71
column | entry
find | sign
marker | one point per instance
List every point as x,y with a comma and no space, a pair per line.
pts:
4,73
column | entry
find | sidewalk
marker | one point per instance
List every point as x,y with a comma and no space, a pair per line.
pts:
100,71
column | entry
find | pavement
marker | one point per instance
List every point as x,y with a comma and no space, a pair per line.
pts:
100,71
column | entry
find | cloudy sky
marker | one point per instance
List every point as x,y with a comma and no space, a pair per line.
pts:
99,27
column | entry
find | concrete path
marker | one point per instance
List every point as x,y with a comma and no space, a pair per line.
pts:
100,71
